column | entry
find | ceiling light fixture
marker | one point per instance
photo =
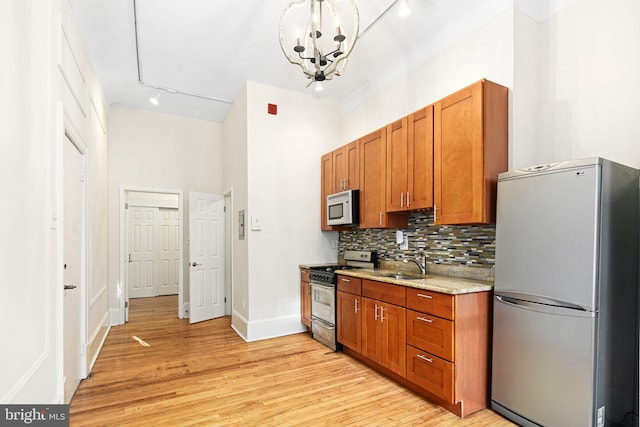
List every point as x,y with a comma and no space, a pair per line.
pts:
306,40
403,8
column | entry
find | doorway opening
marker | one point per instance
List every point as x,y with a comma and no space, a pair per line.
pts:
151,246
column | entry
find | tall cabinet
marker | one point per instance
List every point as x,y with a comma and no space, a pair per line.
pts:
373,158
470,149
409,171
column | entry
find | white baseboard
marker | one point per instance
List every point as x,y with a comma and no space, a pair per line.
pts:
114,317
277,327
96,342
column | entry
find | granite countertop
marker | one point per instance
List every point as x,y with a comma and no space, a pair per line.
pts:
432,282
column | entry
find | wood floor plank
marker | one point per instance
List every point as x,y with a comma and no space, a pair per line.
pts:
205,375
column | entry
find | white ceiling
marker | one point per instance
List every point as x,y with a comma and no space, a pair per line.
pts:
212,47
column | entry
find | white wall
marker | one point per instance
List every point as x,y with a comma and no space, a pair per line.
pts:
29,296
282,190
589,87
86,121
153,150
234,159
49,88
486,53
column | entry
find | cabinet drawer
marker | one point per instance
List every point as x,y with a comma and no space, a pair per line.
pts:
431,373
304,275
431,334
435,303
387,292
352,285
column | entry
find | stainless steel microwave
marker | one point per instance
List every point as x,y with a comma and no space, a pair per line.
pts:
343,208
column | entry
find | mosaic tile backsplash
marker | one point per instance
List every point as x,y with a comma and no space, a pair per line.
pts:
453,245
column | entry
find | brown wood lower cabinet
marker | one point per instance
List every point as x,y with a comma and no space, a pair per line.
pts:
431,373
436,344
305,298
383,334
349,320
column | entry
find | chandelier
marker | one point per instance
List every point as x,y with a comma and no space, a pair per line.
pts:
320,40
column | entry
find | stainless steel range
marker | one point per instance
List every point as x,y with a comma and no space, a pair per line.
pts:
323,294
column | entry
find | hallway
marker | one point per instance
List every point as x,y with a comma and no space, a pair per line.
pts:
204,374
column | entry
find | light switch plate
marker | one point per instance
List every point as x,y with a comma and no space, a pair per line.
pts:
256,223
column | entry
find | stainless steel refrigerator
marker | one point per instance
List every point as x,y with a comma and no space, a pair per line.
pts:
565,298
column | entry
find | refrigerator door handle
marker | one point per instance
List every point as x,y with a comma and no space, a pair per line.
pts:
546,307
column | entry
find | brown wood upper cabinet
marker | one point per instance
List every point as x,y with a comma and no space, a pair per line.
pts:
409,172
326,188
470,149
346,167
373,213
340,171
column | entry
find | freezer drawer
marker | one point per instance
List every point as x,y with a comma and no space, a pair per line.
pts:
543,363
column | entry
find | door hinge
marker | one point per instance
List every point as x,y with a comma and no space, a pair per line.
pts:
126,304
225,299
126,205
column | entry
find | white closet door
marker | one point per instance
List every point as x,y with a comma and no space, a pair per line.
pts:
169,252
143,250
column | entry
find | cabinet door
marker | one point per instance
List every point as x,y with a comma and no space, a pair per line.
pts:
458,156
396,170
393,338
431,373
349,320
470,149
372,184
420,159
339,170
326,187
352,159
305,303
430,333
372,160
371,329
346,167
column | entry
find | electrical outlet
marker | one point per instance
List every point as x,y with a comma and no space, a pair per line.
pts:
405,243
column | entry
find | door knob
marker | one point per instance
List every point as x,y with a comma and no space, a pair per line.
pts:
68,287
194,264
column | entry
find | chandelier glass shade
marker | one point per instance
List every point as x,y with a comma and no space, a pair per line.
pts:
319,35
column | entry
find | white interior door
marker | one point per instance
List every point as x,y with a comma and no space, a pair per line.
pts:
72,166
143,252
206,256
169,268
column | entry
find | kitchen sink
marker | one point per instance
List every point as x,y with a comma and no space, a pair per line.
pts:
400,276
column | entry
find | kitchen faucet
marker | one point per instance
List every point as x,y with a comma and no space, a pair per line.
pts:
422,264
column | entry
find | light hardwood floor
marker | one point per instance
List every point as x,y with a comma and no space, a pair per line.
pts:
204,374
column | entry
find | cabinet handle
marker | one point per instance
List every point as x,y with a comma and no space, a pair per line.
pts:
424,319
408,199
420,356
435,213
375,310
381,314
345,280
402,200
380,217
425,296
355,305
